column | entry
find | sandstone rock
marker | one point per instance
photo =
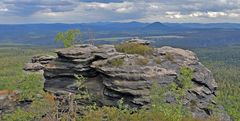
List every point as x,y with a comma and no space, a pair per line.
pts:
139,41
33,67
132,77
42,59
38,63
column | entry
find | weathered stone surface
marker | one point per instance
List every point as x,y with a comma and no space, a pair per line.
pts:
33,67
42,59
77,52
139,41
38,63
133,78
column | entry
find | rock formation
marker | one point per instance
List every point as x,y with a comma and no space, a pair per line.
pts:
112,75
38,63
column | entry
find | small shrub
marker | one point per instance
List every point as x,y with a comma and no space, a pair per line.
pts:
134,48
69,37
141,61
117,62
186,75
120,104
80,80
30,86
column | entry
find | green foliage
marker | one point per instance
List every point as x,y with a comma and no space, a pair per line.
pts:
227,77
172,112
134,48
12,60
30,86
224,64
120,104
185,77
82,94
69,37
159,111
113,114
80,80
117,62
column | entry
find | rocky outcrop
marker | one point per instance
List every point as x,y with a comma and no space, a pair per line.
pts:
38,63
112,75
138,41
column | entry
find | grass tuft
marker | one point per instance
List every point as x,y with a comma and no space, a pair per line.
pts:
134,48
117,62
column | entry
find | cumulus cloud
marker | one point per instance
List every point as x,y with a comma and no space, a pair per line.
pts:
119,10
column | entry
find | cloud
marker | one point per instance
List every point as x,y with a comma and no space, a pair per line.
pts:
173,15
103,1
125,7
68,11
3,9
29,7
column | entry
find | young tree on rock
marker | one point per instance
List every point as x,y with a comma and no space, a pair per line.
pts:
69,37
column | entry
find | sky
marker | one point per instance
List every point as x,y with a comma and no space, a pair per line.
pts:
88,11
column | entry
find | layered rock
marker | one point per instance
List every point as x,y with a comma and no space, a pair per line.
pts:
131,78
38,63
138,41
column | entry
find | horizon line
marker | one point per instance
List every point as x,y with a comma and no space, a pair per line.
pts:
121,22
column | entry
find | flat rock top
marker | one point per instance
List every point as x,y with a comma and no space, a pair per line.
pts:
139,41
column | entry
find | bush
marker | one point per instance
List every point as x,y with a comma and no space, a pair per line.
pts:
185,78
117,62
153,114
134,48
69,37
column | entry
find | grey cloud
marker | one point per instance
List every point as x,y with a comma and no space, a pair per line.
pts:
122,10
29,7
103,1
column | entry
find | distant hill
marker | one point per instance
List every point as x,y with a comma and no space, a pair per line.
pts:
156,26
43,34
